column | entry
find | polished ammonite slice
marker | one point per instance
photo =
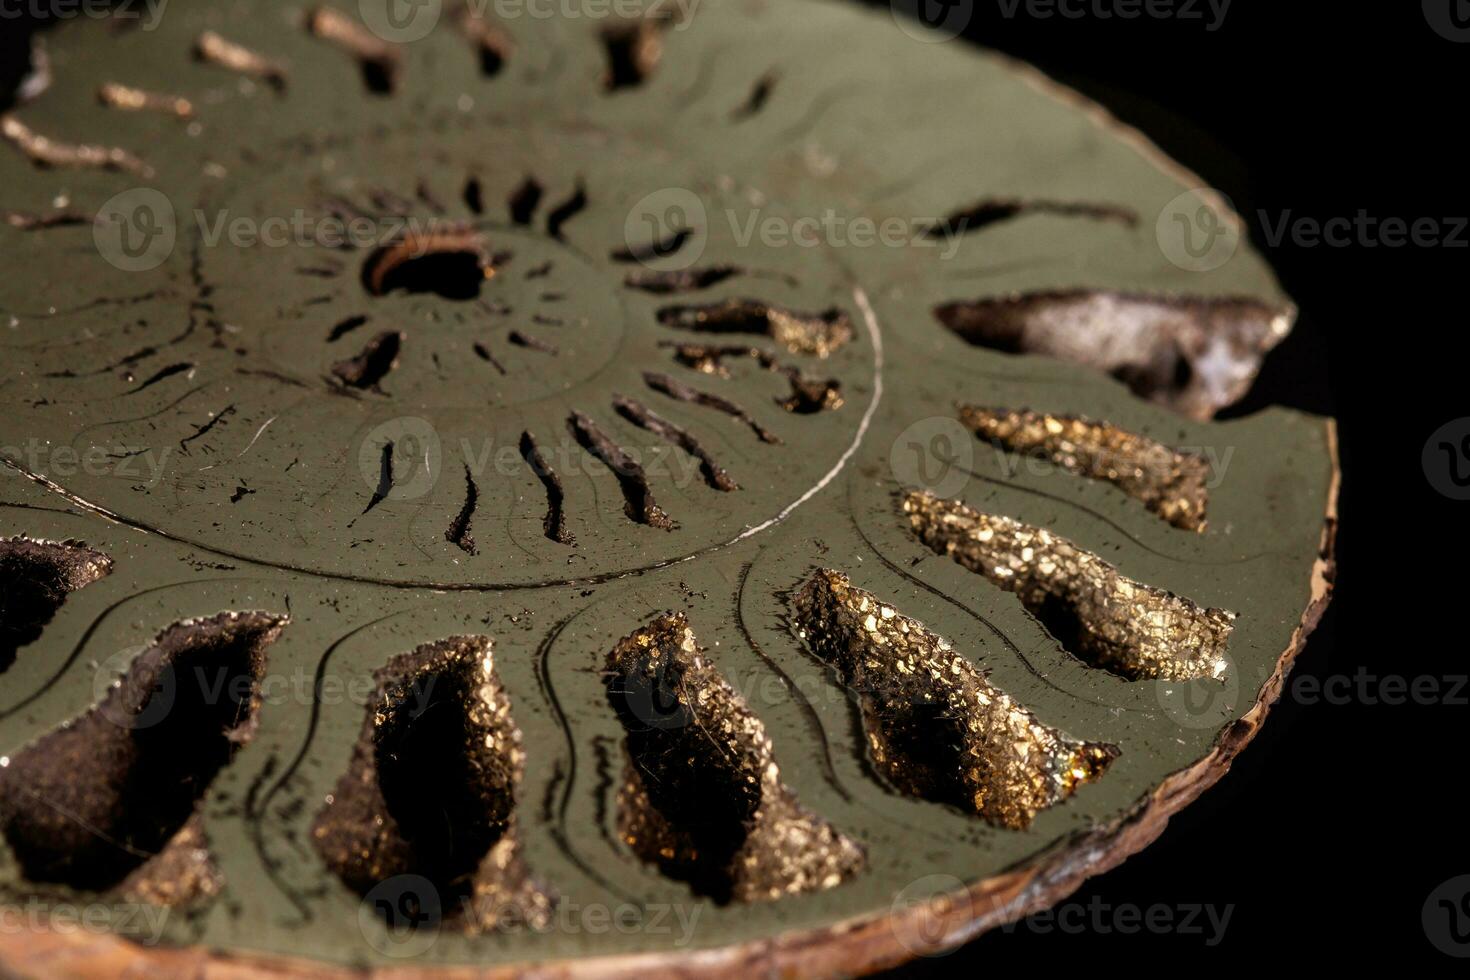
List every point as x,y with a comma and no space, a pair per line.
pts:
727,490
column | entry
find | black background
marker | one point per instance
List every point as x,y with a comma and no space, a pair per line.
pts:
1335,825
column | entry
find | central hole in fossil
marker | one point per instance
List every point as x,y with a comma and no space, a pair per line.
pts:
453,265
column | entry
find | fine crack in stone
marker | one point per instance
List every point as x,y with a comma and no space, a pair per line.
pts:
638,502
555,523
982,214
35,579
937,729
100,799
679,391
438,751
702,796
1194,355
460,532
1170,484
366,371
1105,619
819,334
645,418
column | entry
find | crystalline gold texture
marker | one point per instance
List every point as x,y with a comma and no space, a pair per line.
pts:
711,808
1169,483
936,727
1133,630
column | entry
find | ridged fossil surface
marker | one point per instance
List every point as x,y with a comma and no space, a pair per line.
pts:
848,594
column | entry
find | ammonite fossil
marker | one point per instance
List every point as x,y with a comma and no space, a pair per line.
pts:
726,489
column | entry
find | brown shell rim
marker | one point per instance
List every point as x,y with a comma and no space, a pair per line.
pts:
854,947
